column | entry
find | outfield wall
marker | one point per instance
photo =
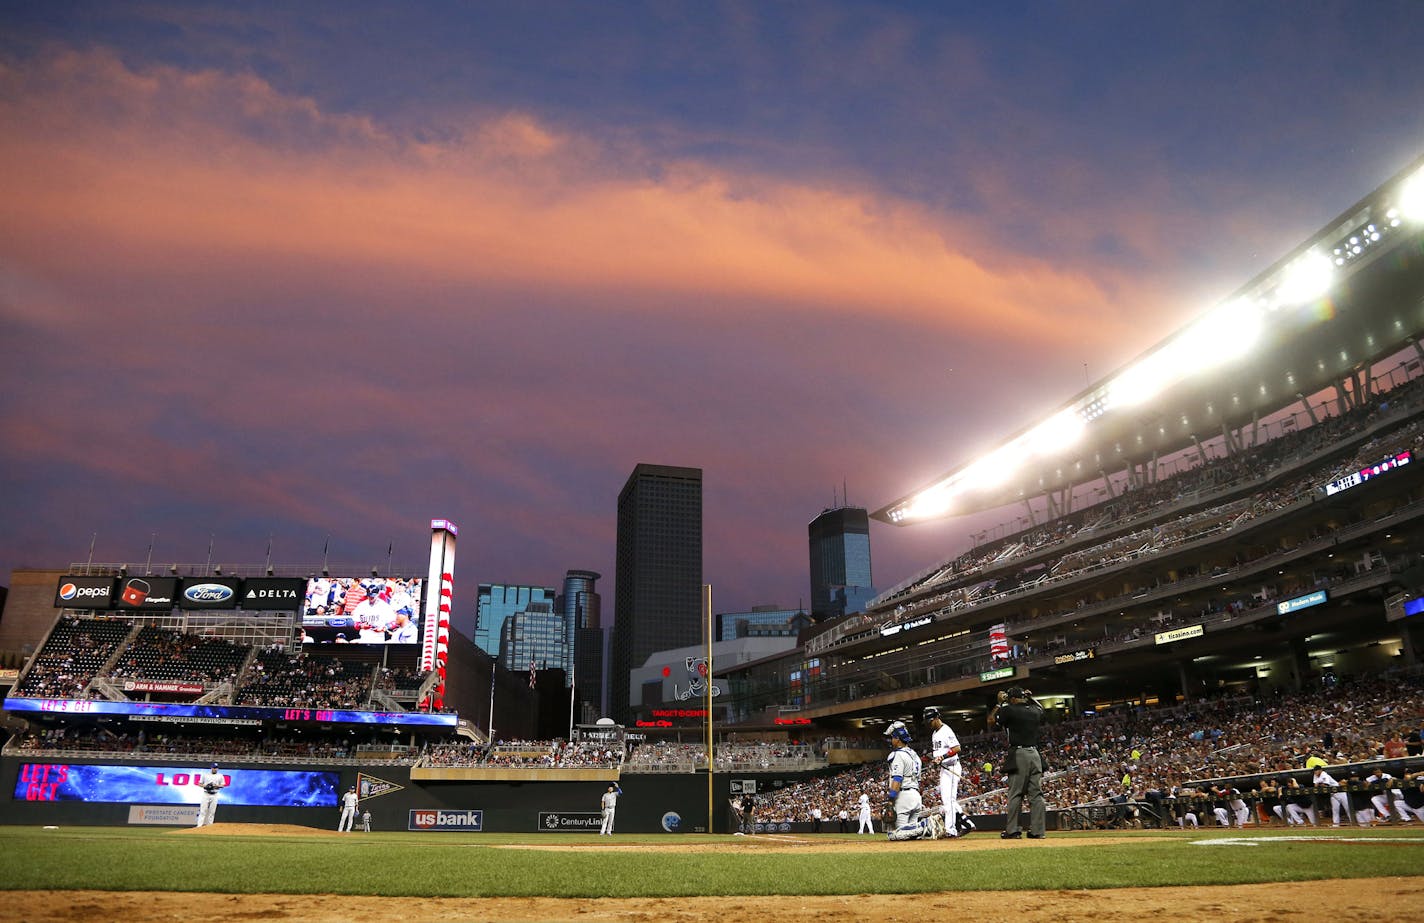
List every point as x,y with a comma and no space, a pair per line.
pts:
102,792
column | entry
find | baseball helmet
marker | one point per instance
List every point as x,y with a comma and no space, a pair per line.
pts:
931,712
1017,692
898,731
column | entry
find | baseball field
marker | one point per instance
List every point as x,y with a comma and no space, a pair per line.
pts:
232,872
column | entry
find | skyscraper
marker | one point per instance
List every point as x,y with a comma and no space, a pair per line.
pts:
658,584
533,636
581,607
840,562
497,602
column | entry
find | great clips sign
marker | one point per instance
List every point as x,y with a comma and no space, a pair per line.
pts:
84,593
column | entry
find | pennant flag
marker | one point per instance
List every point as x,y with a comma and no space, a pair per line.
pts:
998,642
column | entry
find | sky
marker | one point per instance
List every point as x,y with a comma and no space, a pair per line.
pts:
314,274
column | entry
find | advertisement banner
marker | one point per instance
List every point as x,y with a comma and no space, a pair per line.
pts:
1074,657
570,821
274,594
166,785
150,594
145,685
1300,602
164,815
209,592
1179,634
437,820
990,675
236,714
84,593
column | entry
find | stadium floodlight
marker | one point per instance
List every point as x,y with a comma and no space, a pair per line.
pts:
1142,382
1226,333
931,502
1058,432
1305,279
1411,197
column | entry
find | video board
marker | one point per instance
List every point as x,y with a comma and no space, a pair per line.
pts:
169,785
362,610
179,713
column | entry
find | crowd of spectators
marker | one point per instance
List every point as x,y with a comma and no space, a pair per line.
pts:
165,655
1097,758
279,679
75,651
1163,499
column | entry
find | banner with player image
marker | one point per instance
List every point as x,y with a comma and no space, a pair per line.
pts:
362,610
170,785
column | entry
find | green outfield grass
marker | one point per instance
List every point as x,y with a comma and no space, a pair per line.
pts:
465,865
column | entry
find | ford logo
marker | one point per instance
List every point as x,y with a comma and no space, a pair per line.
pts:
208,593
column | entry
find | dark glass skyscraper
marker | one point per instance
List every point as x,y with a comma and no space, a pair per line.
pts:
840,562
581,606
658,585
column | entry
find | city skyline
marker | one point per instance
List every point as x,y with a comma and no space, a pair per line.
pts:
306,278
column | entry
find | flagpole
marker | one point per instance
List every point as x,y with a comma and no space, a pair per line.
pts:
494,668
707,604
573,674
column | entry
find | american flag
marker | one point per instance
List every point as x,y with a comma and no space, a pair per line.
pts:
533,678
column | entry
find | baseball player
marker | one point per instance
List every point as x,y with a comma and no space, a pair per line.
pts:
1339,800
944,751
610,804
904,791
212,783
348,811
867,825
366,821
1382,799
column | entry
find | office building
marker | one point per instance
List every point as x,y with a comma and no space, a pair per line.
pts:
840,562
761,621
583,619
536,635
497,602
658,584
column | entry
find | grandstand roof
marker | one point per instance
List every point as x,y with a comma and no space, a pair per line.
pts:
1371,256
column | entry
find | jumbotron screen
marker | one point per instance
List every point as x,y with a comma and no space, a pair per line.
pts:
173,785
362,610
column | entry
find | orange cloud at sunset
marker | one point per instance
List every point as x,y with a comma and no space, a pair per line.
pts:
140,168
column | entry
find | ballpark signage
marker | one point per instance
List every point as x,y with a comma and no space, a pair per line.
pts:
1001,673
142,685
209,593
435,819
84,593
1179,634
233,714
570,821
1300,602
1074,657
147,593
274,593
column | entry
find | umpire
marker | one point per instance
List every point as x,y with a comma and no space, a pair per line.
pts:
1021,716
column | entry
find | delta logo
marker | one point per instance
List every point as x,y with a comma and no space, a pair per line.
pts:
427,820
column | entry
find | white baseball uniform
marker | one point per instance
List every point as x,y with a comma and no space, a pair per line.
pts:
1339,801
348,812
944,748
212,783
867,825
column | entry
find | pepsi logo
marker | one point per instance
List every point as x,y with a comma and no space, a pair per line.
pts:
68,591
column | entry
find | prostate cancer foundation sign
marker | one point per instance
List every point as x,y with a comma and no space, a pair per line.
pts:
1179,634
